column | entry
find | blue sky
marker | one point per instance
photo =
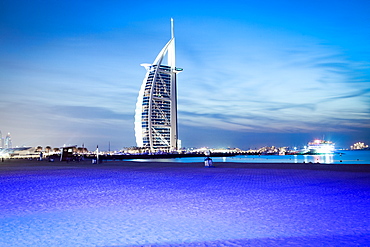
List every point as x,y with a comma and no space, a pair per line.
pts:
255,72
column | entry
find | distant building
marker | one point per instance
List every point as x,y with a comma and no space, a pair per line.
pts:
359,146
156,107
1,140
19,153
67,153
8,141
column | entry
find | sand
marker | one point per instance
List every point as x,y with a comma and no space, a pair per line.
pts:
183,204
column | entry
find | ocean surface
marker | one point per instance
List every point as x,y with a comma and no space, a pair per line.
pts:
342,157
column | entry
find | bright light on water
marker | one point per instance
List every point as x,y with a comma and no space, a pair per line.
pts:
344,157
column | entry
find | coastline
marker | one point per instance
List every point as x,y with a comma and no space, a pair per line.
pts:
19,164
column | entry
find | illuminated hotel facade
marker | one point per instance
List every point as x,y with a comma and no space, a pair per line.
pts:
156,107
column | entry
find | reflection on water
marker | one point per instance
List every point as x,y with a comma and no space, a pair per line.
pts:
325,158
345,157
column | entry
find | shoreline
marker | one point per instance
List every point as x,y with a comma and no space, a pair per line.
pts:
20,164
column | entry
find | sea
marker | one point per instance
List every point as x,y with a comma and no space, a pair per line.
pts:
340,157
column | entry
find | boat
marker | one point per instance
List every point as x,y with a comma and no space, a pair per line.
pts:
319,147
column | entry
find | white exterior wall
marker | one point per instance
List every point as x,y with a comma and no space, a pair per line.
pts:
156,107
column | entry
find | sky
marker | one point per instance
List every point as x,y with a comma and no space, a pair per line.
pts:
256,73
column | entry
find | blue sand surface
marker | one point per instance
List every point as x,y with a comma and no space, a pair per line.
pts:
142,204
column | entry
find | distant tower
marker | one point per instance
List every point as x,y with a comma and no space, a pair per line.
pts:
8,141
156,107
1,140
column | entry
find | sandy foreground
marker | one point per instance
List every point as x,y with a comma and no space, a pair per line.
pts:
127,203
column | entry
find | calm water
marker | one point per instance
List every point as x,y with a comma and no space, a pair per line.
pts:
345,157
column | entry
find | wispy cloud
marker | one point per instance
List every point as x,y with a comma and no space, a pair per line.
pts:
268,87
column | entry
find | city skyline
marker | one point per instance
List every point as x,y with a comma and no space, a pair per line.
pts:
257,74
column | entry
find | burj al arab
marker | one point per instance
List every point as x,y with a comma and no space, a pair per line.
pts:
156,107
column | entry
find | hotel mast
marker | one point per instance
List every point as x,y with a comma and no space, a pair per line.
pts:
156,107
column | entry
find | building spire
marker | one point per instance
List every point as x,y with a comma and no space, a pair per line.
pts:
172,29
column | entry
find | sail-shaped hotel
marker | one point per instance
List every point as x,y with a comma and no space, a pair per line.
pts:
156,107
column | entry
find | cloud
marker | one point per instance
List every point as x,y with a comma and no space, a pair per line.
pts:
263,86
88,112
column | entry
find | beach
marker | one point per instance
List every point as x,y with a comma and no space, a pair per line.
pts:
127,203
